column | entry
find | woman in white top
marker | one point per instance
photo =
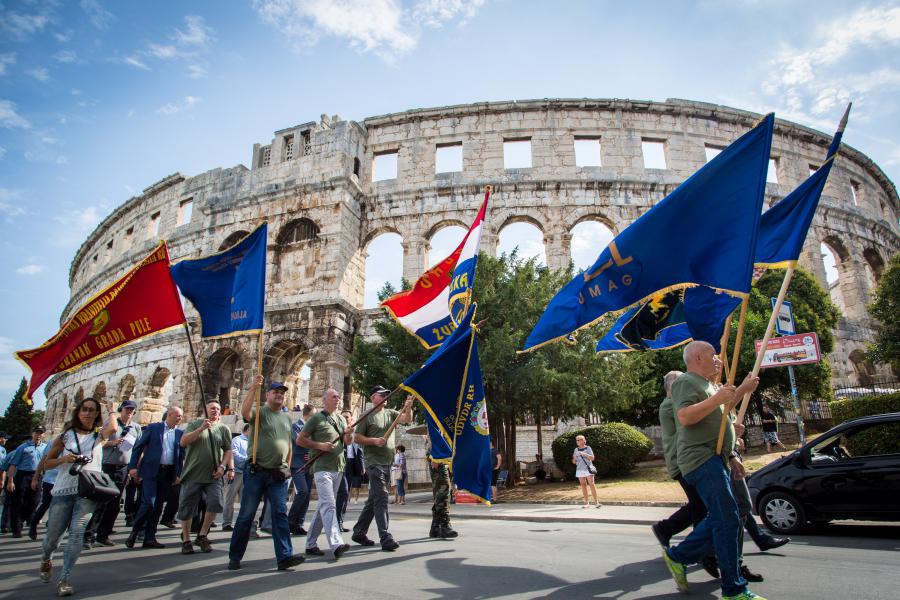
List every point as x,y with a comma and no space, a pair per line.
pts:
583,459
80,437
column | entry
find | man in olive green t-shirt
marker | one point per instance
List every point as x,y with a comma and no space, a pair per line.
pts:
265,476
328,434
698,414
208,460
378,456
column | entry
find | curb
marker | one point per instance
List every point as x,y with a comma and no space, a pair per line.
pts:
532,518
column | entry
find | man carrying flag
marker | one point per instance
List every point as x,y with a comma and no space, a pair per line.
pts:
439,298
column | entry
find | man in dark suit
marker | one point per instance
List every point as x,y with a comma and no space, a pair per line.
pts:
156,462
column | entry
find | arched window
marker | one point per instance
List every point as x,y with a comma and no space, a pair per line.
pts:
384,264
233,239
444,242
298,230
589,238
525,237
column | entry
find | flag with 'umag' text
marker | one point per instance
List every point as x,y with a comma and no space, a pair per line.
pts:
703,233
142,302
440,297
228,288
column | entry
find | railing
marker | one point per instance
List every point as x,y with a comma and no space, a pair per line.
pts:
870,387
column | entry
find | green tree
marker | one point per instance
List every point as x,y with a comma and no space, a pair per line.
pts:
19,416
884,308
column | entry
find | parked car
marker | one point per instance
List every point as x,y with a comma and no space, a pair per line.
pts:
852,471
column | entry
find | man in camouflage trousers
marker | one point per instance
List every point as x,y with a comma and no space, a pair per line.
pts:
440,490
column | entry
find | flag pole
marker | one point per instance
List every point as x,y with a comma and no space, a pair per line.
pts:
734,363
187,332
259,365
723,355
765,342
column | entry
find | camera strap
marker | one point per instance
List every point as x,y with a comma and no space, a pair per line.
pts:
78,444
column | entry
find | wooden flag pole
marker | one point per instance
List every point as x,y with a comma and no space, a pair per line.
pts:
770,328
393,426
723,355
734,362
259,366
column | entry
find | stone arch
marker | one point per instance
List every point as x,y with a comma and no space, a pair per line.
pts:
587,239
875,262
156,402
232,239
223,378
79,395
377,232
442,239
590,214
532,246
522,218
288,361
297,231
126,388
100,393
863,367
443,224
390,265
834,256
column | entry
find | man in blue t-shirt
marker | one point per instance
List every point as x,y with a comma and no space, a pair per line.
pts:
302,480
21,466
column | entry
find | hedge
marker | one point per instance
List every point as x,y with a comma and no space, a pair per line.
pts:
617,447
884,439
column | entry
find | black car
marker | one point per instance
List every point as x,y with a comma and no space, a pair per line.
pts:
850,472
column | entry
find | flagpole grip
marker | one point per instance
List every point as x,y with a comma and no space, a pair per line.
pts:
770,329
259,363
730,380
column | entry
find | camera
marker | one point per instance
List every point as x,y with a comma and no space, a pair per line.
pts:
80,461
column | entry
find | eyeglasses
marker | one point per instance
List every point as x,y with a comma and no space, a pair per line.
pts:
88,410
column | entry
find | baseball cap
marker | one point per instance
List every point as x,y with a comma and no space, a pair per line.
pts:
379,389
127,404
38,429
277,385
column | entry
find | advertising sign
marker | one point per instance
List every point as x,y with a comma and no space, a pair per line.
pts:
799,349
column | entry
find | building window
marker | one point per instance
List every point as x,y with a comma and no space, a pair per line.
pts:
299,230
109,250
385,166
307,143
517,153
265,156
772,172
153,229
288,148
654,152
448,158
185,211
712,152
587,152
855,192
356,166
813,169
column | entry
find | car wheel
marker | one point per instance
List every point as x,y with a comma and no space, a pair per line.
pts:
782,513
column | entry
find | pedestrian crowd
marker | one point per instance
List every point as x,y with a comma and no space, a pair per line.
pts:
168,471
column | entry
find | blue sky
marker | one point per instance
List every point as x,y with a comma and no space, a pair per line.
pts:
99,99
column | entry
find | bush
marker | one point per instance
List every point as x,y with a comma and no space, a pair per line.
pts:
883,439
617,447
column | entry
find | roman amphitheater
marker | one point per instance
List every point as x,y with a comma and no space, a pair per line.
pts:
328,188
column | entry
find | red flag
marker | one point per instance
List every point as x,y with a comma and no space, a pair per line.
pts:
142,302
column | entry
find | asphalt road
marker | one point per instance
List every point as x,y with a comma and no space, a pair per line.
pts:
490,559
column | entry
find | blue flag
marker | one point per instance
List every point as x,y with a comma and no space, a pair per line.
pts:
228,289
450,387
703,233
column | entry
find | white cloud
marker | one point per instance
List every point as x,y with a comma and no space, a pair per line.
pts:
31,269
172,108
6,59
21,26
39,73
76,224
65,56
196,71
197,33
10,204
11,372
75,92
163,52
385,27
62,160
61,37
134,61
99,16
2,152
9,118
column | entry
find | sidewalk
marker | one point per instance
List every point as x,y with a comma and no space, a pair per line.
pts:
419,505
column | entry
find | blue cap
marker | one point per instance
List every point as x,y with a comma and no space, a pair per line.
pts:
277,385
127,404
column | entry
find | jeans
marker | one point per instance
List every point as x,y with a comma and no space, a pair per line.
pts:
327,485
302,486
401,483
257,485
232,492
689,514
70,512
153,494
376,505
721,528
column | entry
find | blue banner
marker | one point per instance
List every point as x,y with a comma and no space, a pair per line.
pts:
703,233
450,388
228,289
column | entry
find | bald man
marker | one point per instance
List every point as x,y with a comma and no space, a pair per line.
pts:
698,409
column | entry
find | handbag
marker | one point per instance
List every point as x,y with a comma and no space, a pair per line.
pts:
591,468
93,485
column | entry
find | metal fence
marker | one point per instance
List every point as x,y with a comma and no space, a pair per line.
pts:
871,387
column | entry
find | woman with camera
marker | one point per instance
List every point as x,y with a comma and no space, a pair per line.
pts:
78,447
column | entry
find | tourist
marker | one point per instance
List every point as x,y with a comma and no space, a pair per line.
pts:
583,459
770,429
400,466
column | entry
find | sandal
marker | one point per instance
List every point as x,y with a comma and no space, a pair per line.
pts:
187,547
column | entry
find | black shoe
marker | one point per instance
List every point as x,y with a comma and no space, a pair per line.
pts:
773,542
447,532
234,565
228,527
750,575
314,551
105,542
662,539
344,529
298,531
435,532
129,521
153,545
169,524
340,550
389,546
17,535
32,533
711,566
362,539
213,525
132,537
287,563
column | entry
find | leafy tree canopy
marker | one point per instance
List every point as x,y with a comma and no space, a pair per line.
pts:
885,308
